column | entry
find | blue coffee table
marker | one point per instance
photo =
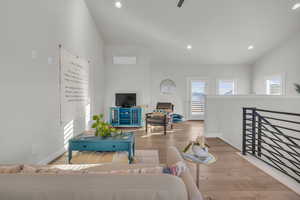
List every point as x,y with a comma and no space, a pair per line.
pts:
121,142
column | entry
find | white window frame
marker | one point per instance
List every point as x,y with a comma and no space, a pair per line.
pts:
188,89
282,84
235,86
188,93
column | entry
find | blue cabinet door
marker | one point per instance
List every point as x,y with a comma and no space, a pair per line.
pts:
136,116
126,117
114,116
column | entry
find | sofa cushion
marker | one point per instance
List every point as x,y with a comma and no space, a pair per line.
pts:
33,169
147,170
152,170
127,169
109,167
49,169
174,156
93,169
91,187
10,169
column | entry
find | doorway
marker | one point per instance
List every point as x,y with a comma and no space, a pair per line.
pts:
197,89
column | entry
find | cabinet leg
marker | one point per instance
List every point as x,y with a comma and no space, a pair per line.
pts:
69,156
129,156
133,149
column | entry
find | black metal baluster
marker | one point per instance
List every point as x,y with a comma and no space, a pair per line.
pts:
276,142
253,130
244,130
259,136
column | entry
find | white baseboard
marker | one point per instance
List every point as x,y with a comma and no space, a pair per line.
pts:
230,143
52,157
289,182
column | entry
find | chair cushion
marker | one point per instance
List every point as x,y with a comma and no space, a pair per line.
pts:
165,106
156,120
155,115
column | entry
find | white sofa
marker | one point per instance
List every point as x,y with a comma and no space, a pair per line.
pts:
101,186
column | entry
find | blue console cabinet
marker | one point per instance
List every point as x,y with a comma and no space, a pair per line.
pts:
126,117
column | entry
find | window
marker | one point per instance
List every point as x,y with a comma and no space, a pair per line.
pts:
274,86
226,87
87,116
198,90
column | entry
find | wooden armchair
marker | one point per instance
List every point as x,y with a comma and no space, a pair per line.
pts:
163,116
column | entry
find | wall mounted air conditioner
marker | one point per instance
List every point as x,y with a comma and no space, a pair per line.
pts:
124,60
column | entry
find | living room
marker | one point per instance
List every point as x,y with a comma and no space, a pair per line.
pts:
233,54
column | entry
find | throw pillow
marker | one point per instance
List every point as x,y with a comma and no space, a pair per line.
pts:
177,169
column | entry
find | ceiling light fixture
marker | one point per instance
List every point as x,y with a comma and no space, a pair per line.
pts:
296,6
250,47
179,4
118,4
189,47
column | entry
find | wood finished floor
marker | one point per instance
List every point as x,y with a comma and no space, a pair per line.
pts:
230,178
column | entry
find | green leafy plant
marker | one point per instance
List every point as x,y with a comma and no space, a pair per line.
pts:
297,87
102,128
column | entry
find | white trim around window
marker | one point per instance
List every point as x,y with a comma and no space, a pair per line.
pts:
274,78
234,89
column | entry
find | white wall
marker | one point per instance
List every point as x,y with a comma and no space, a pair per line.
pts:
145,78
223,117
30,127
127,78
180,73
283,60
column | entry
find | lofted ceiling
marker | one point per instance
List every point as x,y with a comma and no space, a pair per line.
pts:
219,31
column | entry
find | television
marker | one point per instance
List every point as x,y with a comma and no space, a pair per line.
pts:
126,99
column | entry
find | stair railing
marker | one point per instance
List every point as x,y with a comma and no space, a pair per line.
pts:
274,138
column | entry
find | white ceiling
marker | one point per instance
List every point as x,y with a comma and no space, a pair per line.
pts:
219,30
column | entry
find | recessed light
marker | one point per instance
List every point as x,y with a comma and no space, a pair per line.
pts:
118,4
189,47
250,47
296,6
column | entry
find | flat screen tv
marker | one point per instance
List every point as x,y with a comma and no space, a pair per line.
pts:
126,99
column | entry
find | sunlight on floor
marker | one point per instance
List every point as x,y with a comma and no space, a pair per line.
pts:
152,134
161,132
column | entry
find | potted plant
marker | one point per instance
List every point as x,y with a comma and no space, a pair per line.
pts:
297,87
102,128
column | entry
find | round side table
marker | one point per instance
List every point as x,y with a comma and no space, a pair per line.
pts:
210,160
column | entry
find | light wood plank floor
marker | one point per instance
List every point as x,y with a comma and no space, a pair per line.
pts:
230,178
